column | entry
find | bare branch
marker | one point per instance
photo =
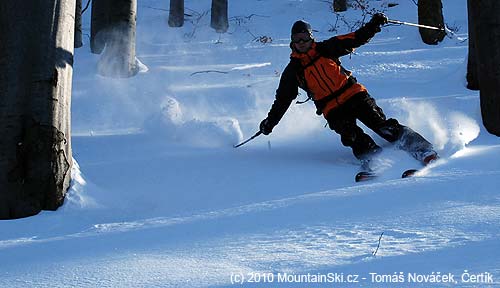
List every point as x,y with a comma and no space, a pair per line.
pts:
86,7
209,71
374,253
154,8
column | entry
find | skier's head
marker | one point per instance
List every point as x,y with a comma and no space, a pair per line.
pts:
301,36
301,27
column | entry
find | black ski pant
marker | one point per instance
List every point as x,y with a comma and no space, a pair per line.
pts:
363,107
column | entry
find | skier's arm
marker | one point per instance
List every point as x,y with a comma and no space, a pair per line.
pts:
345,44
286,92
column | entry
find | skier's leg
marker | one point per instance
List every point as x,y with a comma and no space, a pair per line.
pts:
416,145
370,114
352,135
391,130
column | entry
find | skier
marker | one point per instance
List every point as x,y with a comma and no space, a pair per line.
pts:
315,68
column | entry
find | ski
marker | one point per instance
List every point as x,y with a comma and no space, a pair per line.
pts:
366,173
369,174
430,158
364,176
409,173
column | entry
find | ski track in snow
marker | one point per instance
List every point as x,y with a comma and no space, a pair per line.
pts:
306,248
302,247
285,203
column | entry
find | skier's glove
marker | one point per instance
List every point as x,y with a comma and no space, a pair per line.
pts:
378,20
265,127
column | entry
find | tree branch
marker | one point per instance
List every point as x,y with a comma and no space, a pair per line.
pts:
86,7
209,71
374,253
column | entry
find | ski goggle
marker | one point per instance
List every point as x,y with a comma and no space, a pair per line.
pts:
299,39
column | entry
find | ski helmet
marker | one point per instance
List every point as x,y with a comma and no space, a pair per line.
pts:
301,27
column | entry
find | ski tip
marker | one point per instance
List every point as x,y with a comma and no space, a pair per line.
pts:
409,173
433,157
364,176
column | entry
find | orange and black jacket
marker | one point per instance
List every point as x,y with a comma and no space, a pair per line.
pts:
319,73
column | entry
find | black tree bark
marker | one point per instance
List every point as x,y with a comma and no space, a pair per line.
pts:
472,72
113,31
36,58
78,24
99,23
430,13
219,20
486,15
176,14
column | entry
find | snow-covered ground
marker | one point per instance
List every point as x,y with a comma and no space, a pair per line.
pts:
161,198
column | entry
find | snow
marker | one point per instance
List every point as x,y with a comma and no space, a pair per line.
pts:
160,198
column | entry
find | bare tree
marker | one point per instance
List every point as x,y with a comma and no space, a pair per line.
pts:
430,12
485,17
113,34
176,14
219,20
472,72
99,24
339,5
36,58
78,24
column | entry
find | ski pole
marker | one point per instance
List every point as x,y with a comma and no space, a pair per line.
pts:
248,140
416,25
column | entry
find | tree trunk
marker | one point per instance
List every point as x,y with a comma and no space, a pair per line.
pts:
472,72
36,58
486,14
176,14
339,5
98,25
219,19
113,31
430,13
78,24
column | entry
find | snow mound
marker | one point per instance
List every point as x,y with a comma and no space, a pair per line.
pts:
213,132
76,198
